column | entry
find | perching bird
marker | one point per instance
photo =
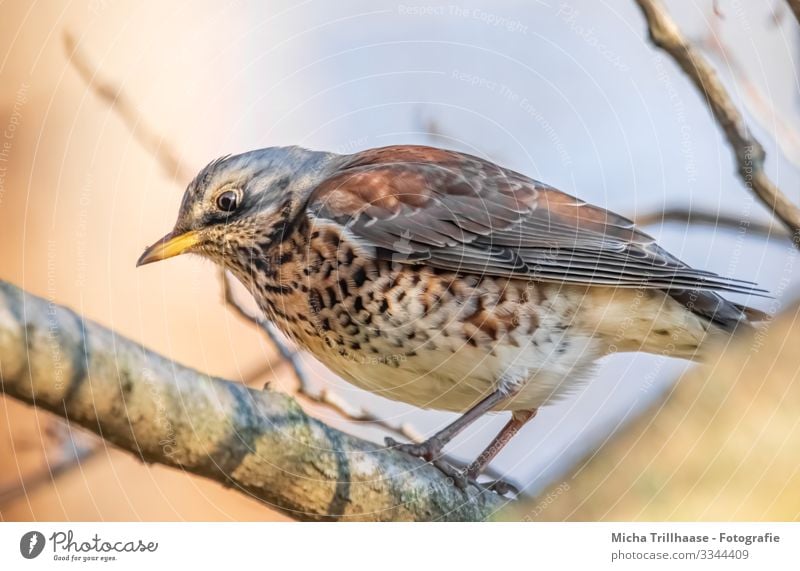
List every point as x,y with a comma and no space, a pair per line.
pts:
445,281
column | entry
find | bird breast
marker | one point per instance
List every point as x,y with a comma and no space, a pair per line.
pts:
430,338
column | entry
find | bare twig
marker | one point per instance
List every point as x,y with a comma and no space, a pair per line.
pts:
685,216
115,98
760,107
289,355
76,456
260,442
335,402
748,151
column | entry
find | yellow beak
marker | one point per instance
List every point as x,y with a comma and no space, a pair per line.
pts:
170,245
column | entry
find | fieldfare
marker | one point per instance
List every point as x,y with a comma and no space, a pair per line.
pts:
443,280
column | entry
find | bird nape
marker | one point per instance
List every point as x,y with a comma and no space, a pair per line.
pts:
445,281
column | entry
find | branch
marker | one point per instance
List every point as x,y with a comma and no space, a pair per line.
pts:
287,354
116,99
75,456
760,107
260,442
685,216
749,153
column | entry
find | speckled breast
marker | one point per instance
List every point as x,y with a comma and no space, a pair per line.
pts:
430,338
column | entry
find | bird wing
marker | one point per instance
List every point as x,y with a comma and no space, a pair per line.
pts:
458,212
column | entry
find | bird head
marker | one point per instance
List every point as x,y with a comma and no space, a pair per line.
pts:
240,202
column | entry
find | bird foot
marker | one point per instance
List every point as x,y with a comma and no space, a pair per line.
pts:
431,451
500,487
462,479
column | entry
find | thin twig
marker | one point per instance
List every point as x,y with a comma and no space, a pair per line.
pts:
75,454
760,107
113,96
287,354
685,216
333,401
749,153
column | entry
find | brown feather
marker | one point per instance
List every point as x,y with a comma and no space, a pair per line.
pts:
461,213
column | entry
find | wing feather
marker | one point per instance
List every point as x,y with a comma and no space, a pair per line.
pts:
461,213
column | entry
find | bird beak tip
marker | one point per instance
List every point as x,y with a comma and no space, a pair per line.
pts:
169,246
145,259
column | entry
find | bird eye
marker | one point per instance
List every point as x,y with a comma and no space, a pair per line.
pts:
228,201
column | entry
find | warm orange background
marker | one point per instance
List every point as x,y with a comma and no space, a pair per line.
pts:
593,110
80,200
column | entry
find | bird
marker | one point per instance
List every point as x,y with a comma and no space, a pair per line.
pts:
443,280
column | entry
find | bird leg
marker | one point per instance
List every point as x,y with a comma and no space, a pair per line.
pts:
518,420
431,449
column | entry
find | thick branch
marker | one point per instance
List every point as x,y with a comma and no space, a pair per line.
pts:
260,442
748,151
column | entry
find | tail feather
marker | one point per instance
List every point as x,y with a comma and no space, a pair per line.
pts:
754,315
720,312
679,323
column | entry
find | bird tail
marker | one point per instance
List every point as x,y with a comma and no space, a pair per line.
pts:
717,310
721,318
752,314
687,324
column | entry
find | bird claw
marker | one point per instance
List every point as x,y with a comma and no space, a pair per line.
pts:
501,487
462,480
431,452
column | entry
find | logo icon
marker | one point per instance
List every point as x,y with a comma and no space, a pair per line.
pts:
31,544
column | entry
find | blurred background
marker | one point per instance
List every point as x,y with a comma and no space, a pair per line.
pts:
571,93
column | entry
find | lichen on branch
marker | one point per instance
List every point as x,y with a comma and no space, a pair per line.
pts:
258,442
